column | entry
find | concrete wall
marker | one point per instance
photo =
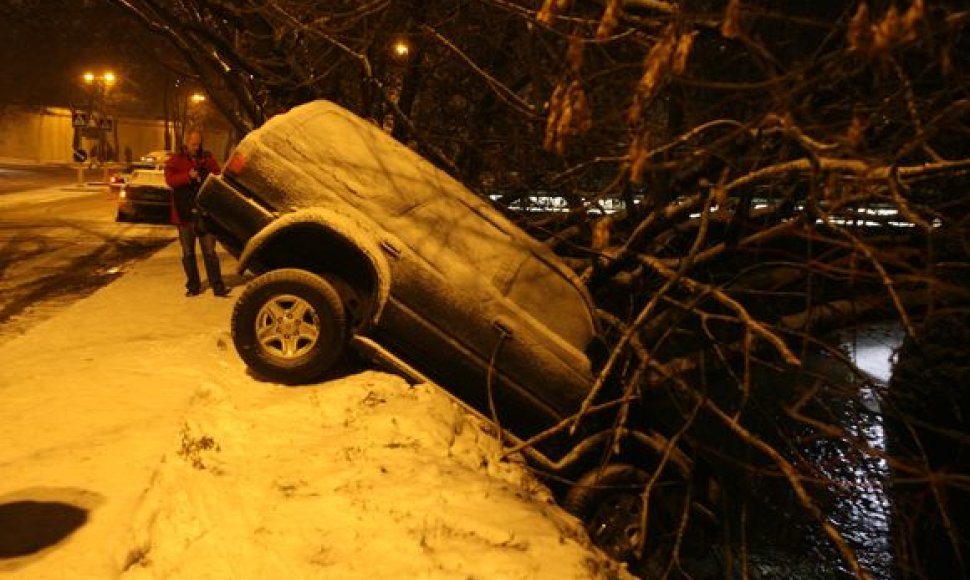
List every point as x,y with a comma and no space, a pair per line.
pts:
48,137
36,137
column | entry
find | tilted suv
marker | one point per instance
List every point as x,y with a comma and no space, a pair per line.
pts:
360,242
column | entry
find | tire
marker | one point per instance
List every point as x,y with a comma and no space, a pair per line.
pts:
289,326
609,501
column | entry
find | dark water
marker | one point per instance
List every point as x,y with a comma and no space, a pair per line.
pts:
863,514
857,467
847,476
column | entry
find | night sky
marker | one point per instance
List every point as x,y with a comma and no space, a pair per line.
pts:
49,46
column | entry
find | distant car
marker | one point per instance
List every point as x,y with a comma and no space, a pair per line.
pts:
156,158
358,242
145,198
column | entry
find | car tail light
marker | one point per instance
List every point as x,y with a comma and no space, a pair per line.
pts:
236,163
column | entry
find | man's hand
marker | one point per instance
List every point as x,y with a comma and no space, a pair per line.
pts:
194,174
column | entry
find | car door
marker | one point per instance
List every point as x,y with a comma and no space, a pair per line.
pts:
455,268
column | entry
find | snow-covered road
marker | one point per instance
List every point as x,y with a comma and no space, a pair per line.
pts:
58,244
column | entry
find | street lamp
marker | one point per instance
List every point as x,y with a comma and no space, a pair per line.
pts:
103,80
98,86
401,48
196,111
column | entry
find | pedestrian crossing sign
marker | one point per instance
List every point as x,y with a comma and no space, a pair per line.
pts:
80,119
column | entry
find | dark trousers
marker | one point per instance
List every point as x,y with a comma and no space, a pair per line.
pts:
188,234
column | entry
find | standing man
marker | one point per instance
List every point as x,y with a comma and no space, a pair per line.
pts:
184,173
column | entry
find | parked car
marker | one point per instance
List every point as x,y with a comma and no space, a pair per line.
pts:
145,198
358,242
119,178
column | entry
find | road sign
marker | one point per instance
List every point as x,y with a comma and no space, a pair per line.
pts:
79,119
80,155
105,123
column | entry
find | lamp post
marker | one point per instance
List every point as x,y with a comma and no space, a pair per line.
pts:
195,112
400,53
97,87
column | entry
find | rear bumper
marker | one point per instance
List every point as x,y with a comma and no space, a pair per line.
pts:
144,211
230,214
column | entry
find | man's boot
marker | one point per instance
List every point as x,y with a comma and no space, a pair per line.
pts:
214,272
193,285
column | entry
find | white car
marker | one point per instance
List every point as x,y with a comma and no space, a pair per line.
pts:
145,198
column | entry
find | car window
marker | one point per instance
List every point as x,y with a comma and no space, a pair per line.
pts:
446,229
553,300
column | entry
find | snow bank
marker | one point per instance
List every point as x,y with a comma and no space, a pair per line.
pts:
357,478
132,406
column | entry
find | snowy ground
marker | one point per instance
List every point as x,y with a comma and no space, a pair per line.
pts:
133,406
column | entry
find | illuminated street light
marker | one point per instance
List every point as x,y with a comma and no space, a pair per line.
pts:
196,111
107,79
99,123
401,48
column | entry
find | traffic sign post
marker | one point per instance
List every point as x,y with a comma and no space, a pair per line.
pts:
79,119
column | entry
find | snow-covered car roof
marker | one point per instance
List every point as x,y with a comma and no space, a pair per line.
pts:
153,177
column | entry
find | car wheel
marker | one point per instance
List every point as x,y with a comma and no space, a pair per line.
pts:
609,501
289,326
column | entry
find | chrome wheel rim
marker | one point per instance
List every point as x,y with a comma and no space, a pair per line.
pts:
287,327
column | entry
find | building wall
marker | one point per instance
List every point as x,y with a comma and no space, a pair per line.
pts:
48,137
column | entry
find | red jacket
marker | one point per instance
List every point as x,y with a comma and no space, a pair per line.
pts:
184,188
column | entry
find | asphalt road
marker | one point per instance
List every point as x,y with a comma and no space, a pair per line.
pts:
59,245
17,178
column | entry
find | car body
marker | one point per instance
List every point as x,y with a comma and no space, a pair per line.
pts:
358,241
119,178
145,198
432,273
